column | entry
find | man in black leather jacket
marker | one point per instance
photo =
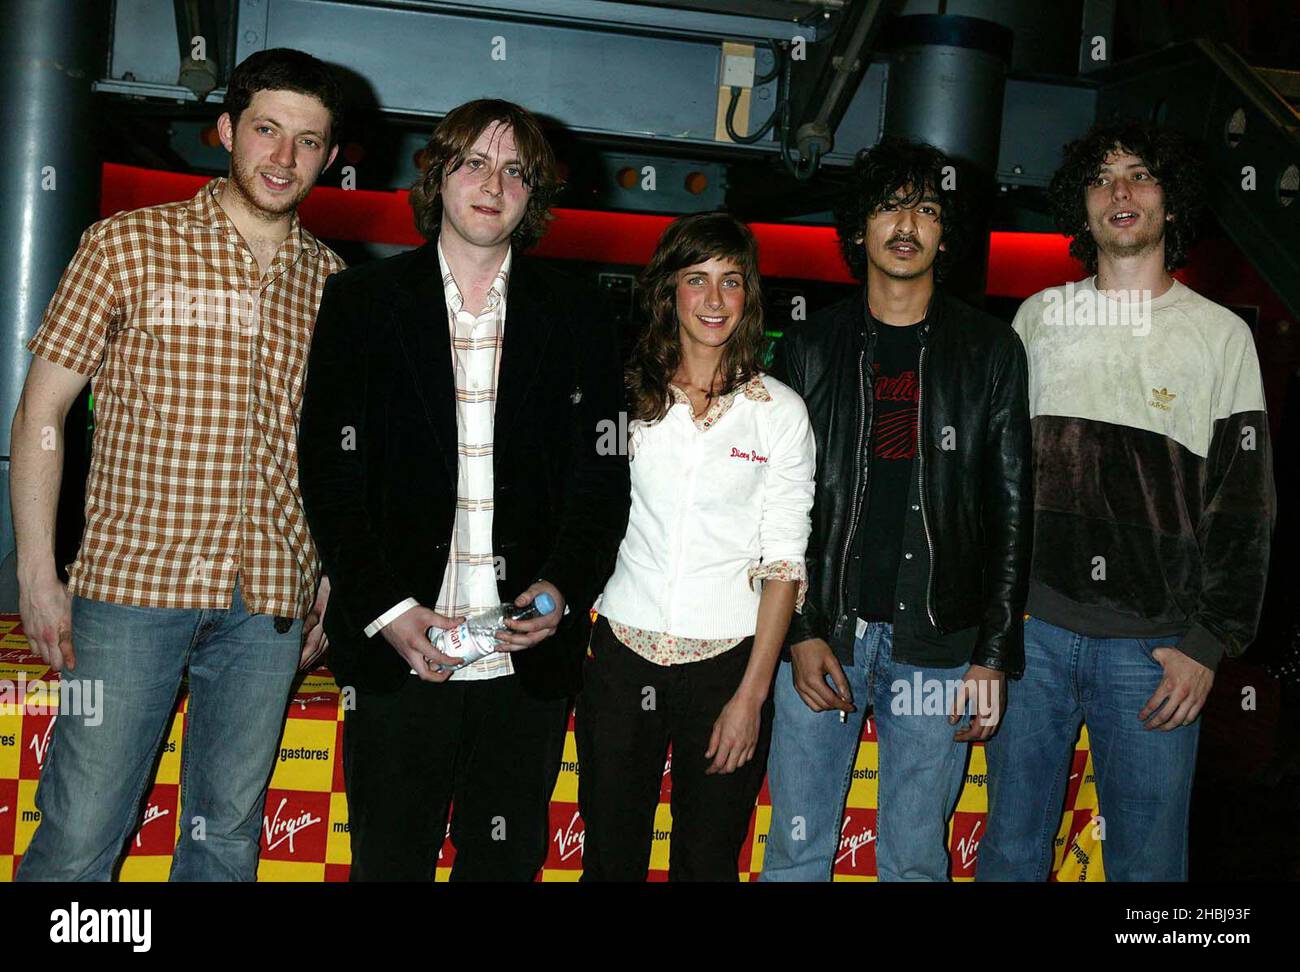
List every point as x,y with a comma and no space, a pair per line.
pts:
919,555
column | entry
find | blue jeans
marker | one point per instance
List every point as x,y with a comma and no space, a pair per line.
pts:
97,770
1144,777
811,764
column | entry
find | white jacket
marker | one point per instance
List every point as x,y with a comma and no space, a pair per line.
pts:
707,506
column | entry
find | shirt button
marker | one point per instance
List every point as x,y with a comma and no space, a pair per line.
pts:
907,556
915,507
901,607
248,258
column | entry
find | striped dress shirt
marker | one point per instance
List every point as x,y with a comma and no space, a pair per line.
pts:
469,582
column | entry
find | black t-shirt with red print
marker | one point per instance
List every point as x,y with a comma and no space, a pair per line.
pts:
892,459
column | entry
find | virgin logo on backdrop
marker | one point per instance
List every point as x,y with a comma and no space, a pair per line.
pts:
967,829
857,833
156,834
570,838
153,812
37,729
292,825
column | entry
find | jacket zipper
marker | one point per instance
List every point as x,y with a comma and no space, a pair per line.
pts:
857,472
920,484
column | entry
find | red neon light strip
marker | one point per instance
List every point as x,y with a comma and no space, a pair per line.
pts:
1020,264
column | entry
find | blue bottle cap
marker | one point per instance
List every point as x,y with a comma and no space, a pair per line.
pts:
544,603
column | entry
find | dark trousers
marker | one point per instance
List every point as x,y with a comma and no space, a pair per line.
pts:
623,730
486,746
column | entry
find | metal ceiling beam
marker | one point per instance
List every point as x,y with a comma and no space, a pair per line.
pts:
604,15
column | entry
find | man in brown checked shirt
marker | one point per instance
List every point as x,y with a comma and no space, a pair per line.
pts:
193,320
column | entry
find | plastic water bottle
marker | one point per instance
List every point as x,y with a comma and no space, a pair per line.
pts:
475,637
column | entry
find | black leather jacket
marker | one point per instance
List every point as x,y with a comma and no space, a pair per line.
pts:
975,470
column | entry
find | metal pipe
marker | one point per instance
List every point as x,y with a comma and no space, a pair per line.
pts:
50,53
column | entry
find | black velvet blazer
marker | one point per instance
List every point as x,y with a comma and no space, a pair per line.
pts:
378,456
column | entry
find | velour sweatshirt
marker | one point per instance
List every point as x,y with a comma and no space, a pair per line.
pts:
1153,484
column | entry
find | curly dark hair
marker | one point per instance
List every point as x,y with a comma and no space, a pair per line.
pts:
285,69
687,241
453,139
884,172
1172,159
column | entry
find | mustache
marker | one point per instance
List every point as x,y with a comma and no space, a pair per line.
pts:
910,240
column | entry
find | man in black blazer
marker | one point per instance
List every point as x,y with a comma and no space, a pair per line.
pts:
453,455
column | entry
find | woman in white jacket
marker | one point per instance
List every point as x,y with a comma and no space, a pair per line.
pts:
708,575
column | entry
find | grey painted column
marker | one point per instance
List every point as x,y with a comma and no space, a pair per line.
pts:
51,51
946,85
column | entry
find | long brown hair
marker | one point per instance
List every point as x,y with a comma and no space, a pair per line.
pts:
454,138
691,240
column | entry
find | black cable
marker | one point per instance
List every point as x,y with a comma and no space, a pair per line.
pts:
796,166
776,64
801,171
752,137
736,91
791,164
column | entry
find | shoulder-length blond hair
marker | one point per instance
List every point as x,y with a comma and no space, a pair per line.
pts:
691,240
454,138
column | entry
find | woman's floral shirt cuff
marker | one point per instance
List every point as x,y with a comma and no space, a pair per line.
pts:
783,570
